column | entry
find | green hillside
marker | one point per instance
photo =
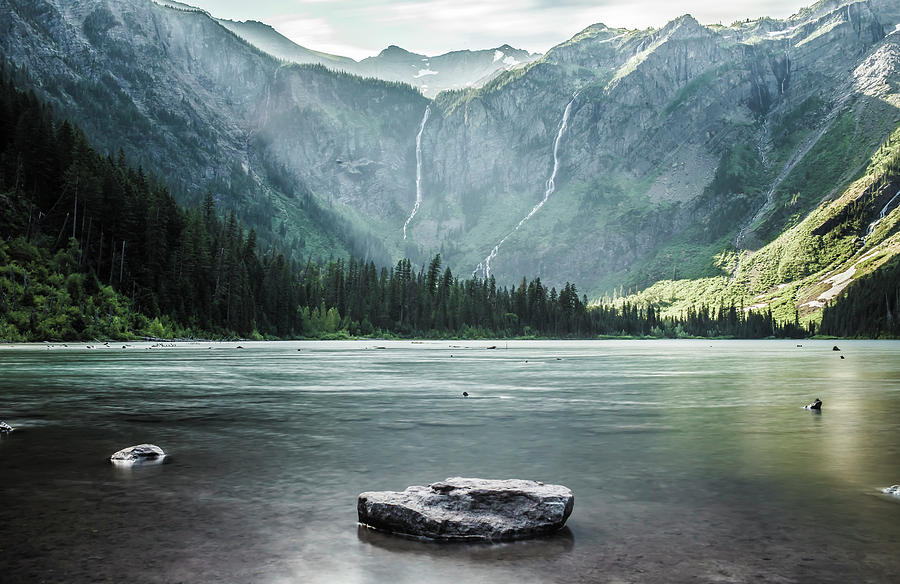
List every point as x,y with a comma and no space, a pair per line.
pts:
807,267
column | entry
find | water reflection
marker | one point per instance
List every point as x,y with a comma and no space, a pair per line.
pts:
690,461
551,546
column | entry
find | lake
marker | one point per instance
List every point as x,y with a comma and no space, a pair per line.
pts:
691,461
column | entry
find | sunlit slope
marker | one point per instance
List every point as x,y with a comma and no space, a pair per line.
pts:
811,264
682,145
672,151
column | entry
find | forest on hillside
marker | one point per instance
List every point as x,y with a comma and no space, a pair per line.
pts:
91,247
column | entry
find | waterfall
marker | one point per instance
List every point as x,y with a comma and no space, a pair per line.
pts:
485,266
881,216
418,170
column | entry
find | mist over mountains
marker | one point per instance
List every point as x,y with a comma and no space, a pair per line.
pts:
687,152
431,75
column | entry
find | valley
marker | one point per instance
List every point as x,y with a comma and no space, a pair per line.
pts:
694,163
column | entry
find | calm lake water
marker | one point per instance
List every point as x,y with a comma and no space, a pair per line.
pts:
691,461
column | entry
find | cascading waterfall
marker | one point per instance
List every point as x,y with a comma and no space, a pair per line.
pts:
269,93
418,170
485,267
881,216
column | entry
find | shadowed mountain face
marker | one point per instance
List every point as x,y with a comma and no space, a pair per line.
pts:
678,143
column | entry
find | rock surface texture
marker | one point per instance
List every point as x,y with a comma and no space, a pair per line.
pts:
892,490
469,509
139,453
5,428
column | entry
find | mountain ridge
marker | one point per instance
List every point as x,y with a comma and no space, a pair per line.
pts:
453,70
681,142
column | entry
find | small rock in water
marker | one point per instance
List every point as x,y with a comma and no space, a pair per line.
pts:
469,509
139,453
465,394
835,348
5,428
816,405
892,490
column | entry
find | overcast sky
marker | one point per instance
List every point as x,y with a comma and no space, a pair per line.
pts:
362,28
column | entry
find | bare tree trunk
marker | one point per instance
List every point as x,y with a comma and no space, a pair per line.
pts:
112,261
122,262
75,211
85,247
63,228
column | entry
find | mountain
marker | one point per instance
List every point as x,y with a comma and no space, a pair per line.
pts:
618,159
183,96
431,75
680,143
455,70
847,249
266,38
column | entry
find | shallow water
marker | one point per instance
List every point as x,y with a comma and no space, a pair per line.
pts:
691,461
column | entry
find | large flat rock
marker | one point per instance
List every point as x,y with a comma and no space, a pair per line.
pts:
140,454
469,509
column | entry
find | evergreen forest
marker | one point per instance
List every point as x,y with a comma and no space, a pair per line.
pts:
92,248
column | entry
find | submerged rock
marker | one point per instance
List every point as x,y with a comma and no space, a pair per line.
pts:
139,453
892,490
469,509
816,405
5,428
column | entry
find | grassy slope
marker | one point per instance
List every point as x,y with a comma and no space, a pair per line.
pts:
813,260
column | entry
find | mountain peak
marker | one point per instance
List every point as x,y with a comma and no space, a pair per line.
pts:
685,26
395,51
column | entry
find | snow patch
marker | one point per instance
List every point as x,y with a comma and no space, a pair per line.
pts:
756,306
424,72
510,61
498,55
786,31
842,280
611,39
897,28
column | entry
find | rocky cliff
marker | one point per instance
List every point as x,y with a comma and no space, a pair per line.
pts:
684,149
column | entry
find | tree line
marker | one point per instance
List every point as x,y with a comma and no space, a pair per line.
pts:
92,247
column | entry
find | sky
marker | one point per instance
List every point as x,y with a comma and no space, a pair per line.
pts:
364,27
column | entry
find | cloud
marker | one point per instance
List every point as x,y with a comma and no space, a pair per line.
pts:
434,26
317,34
364,27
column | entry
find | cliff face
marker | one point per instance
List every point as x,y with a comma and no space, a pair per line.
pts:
658,116
679,143
184,96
